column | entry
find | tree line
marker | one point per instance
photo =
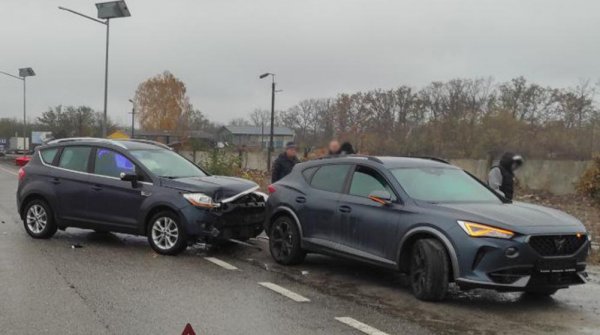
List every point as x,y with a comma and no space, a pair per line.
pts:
459,118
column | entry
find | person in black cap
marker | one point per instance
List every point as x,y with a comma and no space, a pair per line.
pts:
285,162
501,176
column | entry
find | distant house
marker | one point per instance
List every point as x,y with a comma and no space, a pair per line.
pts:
254,137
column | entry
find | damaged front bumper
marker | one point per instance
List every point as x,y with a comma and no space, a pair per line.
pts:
239,217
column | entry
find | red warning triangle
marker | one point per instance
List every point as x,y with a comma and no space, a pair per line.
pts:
188,330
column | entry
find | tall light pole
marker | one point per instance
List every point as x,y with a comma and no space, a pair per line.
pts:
270,150
106,11
23,74
132,118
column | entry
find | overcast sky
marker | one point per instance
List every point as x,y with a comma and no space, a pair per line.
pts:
317,48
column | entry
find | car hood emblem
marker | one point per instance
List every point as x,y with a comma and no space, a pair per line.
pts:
559,244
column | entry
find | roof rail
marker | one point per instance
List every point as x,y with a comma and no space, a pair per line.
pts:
77,139
371,158
158,144
436,159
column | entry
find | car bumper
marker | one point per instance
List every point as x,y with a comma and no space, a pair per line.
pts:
519,265
235,221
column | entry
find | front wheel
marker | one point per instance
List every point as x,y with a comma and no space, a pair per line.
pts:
166,234
38,219
284,242
429,270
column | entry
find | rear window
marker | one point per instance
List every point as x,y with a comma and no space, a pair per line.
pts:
330,178
75,158
308,173
48,155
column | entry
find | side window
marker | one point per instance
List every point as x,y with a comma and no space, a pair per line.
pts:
48,155
330,178
75,158
110,163
366,180
308,173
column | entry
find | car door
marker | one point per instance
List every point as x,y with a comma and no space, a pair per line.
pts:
321,214
368,226
113,201
71,182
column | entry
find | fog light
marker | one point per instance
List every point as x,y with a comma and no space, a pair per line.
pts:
511,252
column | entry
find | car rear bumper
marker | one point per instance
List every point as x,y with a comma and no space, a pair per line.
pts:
517,265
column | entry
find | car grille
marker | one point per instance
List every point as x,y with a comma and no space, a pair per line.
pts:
557,245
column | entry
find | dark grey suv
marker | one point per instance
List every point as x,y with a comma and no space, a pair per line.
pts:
428,219
135,187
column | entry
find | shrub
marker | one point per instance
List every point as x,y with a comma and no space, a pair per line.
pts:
589,183
222,162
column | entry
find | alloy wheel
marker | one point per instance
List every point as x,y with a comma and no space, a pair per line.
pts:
417,273
37,219
282,239
165,233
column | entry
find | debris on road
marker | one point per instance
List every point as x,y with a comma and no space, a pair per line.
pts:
76,246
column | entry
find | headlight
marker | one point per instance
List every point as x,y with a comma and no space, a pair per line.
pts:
200,200
479,230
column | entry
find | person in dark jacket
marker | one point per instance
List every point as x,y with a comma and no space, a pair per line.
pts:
501,177
347,149
285,162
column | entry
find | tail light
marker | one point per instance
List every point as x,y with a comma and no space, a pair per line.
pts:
271,189
21,174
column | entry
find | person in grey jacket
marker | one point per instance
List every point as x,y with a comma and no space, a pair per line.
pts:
501,177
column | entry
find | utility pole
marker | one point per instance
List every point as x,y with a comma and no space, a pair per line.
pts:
132,118
270,150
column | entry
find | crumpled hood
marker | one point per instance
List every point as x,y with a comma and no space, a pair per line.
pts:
217,187
517,216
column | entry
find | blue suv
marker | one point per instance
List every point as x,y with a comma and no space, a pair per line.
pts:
136,187
426,218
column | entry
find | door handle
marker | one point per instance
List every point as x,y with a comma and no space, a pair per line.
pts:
55,181
96,187
300,200
345,209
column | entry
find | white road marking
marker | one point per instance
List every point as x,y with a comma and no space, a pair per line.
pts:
221,263
9,171
284,292
359,326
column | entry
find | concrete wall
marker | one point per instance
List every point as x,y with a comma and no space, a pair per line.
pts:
557,177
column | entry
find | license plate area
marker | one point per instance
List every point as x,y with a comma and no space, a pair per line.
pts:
556,265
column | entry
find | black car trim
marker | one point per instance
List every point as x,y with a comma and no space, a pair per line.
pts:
340,248
87,173
442,238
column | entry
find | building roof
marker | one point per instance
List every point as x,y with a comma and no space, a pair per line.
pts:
252,130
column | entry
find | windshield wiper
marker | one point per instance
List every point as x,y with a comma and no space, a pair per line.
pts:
169,177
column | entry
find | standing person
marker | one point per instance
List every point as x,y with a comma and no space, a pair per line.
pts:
282,166
502,176
347,149
334,147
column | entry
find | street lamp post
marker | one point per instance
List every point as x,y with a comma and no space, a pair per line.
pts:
270,150
23,74
106,11
132,118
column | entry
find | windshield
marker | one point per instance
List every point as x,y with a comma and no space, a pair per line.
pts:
442,185
166,163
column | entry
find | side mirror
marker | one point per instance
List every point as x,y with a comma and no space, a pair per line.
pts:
133,178
381,197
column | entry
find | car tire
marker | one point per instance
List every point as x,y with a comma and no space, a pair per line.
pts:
429,270
166,234
541,292
38,219
284,242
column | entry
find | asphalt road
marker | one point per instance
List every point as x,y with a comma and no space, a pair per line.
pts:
115,284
